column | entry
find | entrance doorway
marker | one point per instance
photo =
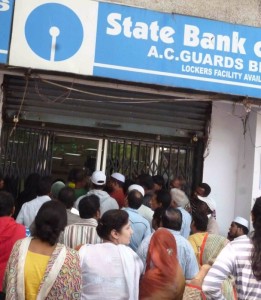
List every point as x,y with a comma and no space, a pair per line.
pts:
75,152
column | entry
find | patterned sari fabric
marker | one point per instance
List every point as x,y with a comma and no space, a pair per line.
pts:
62,278
214,244
211,246
163,278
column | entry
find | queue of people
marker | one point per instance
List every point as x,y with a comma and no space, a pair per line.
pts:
124,239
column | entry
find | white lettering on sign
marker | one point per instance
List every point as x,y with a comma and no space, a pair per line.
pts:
254,66
207,40
167,54
139,30
257,49
4,5
215,60
153,52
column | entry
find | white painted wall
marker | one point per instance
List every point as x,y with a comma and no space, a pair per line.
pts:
229,167
256,186
245,12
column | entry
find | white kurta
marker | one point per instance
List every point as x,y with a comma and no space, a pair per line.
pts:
110,271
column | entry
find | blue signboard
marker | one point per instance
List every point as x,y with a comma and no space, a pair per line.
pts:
146,46
6,14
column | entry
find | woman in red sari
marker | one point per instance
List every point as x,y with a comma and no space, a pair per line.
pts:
163,278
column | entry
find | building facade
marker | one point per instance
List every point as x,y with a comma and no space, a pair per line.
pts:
158,87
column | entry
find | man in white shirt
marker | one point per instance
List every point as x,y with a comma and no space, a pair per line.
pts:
30,209
98,180
207,206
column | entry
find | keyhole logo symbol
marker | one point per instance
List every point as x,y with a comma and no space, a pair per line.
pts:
54,32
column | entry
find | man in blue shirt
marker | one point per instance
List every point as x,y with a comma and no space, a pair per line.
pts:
179,200
140,226
172,220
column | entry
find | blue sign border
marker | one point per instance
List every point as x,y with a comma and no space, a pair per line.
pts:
139,45
6,16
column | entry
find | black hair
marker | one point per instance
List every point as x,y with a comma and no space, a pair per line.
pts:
206,187
88,206
135,199
200,221
79,175
44,186
256,239
29,192
127,184
145,180
157,216
159,179
163,197
113,219
244,228
67,196
6,204
31,184
71,175
172,218
50,221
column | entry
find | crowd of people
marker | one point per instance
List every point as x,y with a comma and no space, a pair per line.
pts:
115,238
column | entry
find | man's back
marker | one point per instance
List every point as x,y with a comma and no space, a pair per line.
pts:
72,218
186,221
80,233
140,226
106,201
186,256
30,209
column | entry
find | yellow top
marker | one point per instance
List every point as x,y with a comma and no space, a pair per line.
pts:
196,241
34,269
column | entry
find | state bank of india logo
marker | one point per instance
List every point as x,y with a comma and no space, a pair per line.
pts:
54,32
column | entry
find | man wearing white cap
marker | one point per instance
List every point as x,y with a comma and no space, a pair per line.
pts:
115,188
239,227
140,226
207,206
98,180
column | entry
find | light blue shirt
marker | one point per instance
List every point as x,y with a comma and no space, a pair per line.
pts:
186,222
140,226
185,253
30,209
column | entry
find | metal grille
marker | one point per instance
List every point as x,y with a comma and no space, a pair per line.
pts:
25,151
132,158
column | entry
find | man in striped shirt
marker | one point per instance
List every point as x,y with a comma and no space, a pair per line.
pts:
84,232
240,258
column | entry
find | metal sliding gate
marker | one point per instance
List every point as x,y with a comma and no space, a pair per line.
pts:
25,151
132,157
29,150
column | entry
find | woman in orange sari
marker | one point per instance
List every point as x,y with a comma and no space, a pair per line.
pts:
163,278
